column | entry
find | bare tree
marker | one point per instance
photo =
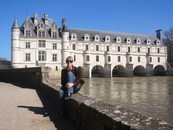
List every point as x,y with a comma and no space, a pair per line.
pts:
168,41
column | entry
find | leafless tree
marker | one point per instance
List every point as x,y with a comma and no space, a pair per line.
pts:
168,41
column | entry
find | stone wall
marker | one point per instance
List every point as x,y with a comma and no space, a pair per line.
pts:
29,76
169,72
89,113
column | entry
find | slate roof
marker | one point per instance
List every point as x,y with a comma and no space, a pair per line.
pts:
29,23
113,35
15,25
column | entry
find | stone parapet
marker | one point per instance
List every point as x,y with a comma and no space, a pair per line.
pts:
89,113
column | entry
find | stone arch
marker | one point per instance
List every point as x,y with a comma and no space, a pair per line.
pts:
139,71
81,71
119,71
98,71
159,71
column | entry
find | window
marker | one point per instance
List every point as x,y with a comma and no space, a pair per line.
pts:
128,40
118,48
73,36
148,41
138,40
28,33
54,46
74,47
158,50
54,34
158,59
42,56
42,43
87,58
148,50
118,39
157,42
97,38
97,58
128,49
27,44
107,39
86,47
86,37
107,48
74,57
109,59
150,59
97,47
130,59
139,60
27,58
119,58
41,34
138,49
54,57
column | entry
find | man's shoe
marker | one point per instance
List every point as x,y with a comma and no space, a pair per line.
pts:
69,95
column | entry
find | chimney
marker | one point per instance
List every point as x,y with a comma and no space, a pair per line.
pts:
159,35
35,18
46,19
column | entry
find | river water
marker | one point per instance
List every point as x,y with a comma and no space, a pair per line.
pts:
151,96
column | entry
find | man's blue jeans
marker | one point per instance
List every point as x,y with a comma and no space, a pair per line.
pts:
63,91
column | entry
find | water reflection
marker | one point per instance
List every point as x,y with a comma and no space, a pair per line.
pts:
152,96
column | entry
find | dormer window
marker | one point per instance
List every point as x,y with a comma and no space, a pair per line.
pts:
86,37
138,41
97,38
128,40
28,34
54,35
73,36
118,40
107,39
148,41
157,42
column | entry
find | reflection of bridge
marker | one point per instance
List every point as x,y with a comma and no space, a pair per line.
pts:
121,71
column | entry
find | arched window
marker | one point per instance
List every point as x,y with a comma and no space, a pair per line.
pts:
148,50
150,59
130,59
86,47
139,59
107,48
128,49
109,58
97,47
87,58
158,59
138,49
158,50
118,48
97,58
119,58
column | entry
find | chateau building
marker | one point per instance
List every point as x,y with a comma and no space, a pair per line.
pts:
40,42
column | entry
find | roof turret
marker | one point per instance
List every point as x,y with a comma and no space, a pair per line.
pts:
15,24
64,26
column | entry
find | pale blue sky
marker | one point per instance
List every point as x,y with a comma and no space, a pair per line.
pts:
132,16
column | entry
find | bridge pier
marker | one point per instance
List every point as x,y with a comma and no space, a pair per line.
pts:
129,69
149,69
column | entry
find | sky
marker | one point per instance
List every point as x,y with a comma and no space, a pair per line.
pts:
131,16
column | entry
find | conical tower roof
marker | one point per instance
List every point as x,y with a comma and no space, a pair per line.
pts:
15,25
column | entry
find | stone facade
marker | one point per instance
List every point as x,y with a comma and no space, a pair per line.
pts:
39,42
